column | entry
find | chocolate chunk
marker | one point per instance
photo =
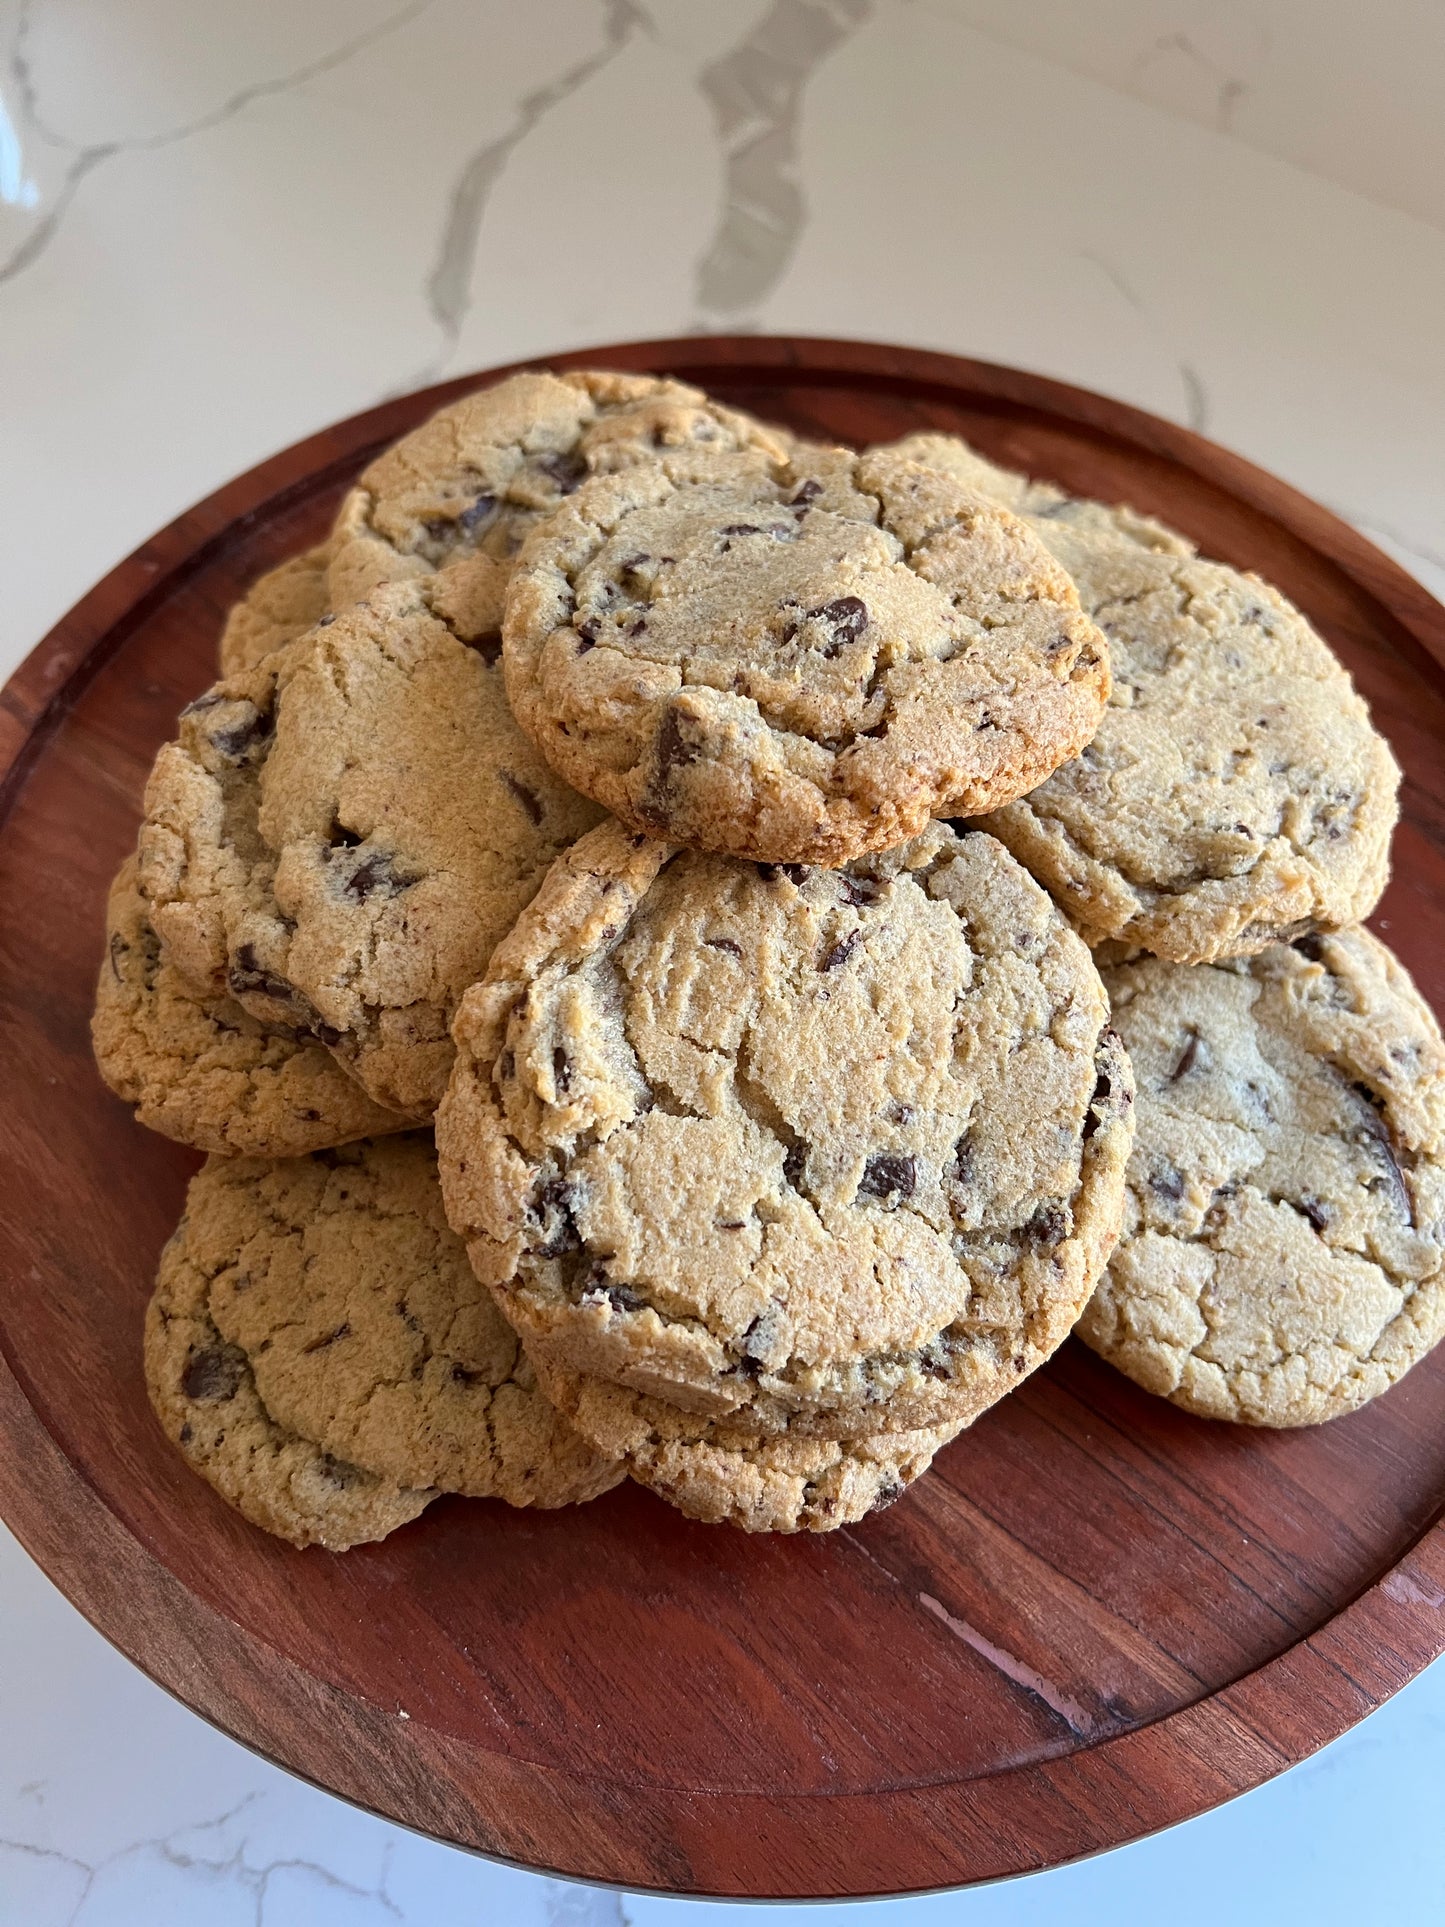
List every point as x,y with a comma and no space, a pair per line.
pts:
672,751
1320,1214
244,736
464,1375
480,511
552,1209
839,953
1190,1056
741,528
1166,1182
860,890
724,943
805,493
933,1367
890,1490
1048,1225
246,973
561,1070
529,799
1107,1101
214,1373
378,872
1309,947
1377,1133
637,628
340,1473
888,1175
620,1297
794,1160
210,700
187,1433
587,634
846,617
567,471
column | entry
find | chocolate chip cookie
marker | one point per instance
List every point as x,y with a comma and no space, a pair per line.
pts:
275,610
202,1070
205,1397
450,503
810,1147
724,1474
1038,502
338,1281
796,662
342,833
1283,1256
1236,793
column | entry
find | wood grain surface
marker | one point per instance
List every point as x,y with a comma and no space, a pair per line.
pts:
1097,1616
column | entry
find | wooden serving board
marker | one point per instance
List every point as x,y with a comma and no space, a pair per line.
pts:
1097,1616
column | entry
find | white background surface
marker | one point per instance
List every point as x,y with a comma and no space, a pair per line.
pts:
223,226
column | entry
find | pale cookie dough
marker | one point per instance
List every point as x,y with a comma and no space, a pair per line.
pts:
839,1149
342,833
796,662
1283,1257
1040,503
726,1475
202,1070
339,1282
450,503
276,609
206,1400
1235,793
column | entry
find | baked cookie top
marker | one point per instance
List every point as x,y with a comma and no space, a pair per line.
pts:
205,1397
805,1146
1236,792
202,1070
1037,501
338,1280
276,609
724,1474
796,662
1282,1256
341,834
450,503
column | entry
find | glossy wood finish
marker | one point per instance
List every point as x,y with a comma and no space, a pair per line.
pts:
1096,1616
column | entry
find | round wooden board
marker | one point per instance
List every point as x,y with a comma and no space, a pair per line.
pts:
1097,1616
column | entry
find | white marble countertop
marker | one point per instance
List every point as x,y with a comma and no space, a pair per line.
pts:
223,226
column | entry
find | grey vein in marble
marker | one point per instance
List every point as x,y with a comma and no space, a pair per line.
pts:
1231,89
756,93
1196,402
84,159
449,285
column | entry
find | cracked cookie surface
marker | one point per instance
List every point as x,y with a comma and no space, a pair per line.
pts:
796,661
205,1397
277,608
1283,1256
202,1070
342,833
450,503
840,1149
724,1474
1236,793
339,1281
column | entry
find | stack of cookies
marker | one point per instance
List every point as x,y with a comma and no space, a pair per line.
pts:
652,928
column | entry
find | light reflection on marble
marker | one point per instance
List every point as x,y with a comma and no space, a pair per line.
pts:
223,227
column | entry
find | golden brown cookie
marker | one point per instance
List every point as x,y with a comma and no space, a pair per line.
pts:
276,609
796,662
206,1400
449,505
338,1280
202,1070
1283,1257
341,834
840,1149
